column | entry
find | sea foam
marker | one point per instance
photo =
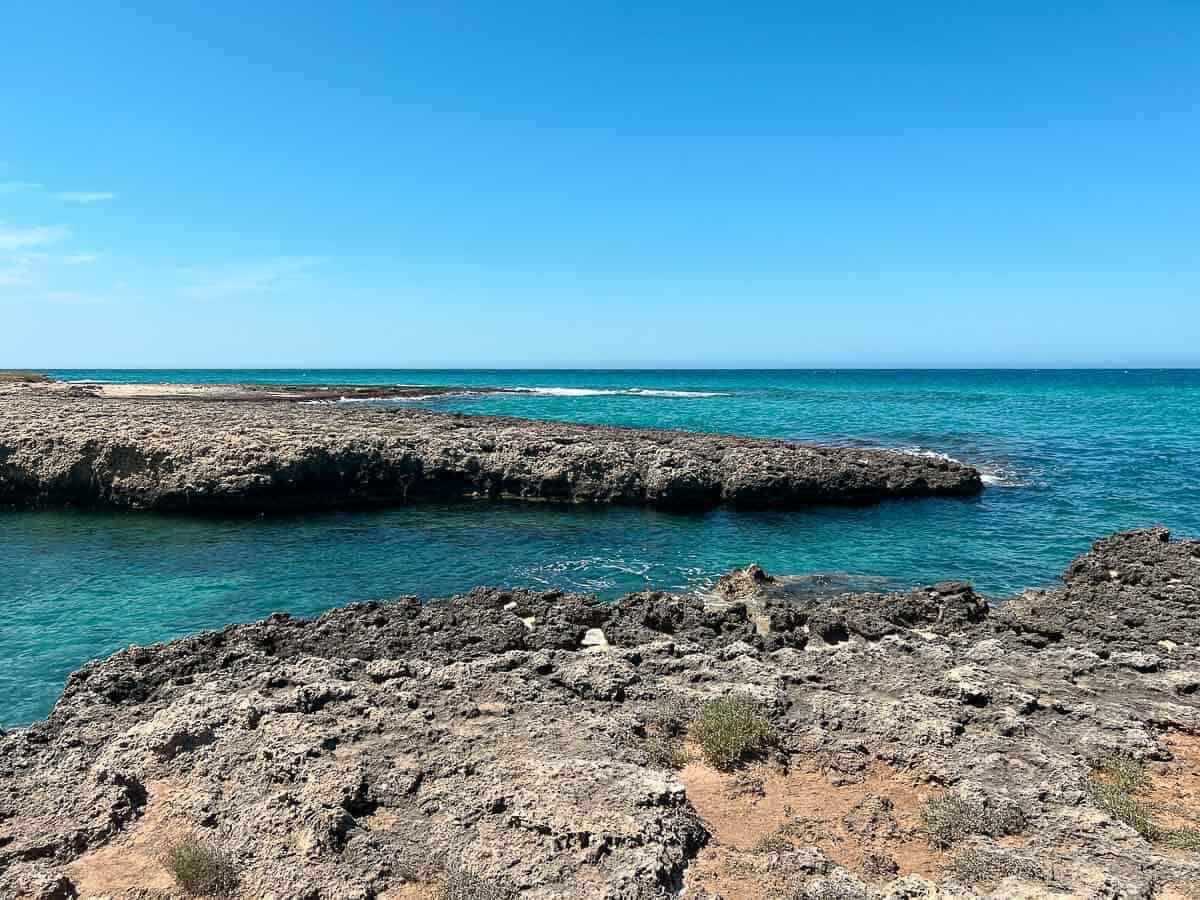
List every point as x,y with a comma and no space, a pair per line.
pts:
991,473
610,392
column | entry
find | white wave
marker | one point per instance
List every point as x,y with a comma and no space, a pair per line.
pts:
1001,476
649,392
925,454
539,391
992,474
610,392
560,391
408,399
384,401
330,401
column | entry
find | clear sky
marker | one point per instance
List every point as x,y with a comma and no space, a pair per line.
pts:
577,184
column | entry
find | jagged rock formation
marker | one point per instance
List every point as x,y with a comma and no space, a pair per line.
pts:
359,754
68,447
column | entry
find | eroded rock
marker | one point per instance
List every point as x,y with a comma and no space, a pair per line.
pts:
197,453
367,752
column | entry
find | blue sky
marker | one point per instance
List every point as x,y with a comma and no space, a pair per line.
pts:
592,185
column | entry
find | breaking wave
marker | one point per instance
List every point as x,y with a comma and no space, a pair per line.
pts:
991,473
611,392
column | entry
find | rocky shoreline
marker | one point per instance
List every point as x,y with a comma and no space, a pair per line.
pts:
549,745
85,446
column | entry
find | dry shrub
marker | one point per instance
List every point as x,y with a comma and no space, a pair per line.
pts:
948,819
460,883
1114,784
201,869
973,866
731,729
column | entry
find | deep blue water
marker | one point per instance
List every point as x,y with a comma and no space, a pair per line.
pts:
1071,455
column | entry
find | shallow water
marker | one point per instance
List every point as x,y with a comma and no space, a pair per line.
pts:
1070,456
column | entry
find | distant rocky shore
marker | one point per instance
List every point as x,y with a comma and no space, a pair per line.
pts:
199,448
752,745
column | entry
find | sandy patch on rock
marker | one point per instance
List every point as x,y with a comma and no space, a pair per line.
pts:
801,809
134,859
1175,789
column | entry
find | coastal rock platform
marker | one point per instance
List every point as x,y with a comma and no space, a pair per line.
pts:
544,745
207,449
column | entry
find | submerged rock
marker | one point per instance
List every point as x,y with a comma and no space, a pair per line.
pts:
921,745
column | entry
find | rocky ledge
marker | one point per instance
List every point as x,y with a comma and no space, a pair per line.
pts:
66,445
548,745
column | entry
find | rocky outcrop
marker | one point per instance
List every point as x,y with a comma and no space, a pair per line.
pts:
926,746
63,447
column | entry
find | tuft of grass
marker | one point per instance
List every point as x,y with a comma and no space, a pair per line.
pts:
24,377
772,843
947,819
1114,784
826,889
422,865
730,730
1122,772
671,715
1123,806
664,752
201,869
974,866
460,883
877,864
660,739
1182,839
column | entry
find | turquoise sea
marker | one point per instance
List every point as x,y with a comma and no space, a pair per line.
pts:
1069,456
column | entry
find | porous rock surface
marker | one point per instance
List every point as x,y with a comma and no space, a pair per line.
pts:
65,446
352,755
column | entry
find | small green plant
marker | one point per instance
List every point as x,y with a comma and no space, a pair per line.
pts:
460,883
1183,839
660,738
418,864
947,819
201,869
1114,785
1122,772
973,866
730,730
772,843
665,752
1122,805
671,715
829,887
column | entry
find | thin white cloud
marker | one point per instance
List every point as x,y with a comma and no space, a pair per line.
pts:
268,276
18,187
25,268
72,297
13,239
86,196
15,276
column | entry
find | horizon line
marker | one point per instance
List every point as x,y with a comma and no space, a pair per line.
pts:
1076,368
